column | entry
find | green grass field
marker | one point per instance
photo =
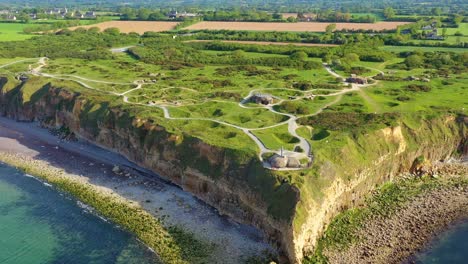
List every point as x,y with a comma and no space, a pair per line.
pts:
275,138
378,17
204,99
13,32
463,28
423,49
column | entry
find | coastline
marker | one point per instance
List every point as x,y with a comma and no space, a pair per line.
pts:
396,236
31,148
162,241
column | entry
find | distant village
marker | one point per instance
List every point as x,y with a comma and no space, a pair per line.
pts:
55,13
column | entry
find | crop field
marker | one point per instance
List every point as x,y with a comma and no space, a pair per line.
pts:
270,43
301,26
139,27
423,49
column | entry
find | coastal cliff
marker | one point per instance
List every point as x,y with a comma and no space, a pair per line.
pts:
292,208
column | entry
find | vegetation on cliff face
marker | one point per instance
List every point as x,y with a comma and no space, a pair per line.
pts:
172,245
96,113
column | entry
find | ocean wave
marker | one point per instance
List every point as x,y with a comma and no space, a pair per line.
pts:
90,210
39,180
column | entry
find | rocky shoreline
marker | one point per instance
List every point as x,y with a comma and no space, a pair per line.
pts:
395,239
113,175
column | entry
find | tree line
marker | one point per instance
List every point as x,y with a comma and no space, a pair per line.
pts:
86,44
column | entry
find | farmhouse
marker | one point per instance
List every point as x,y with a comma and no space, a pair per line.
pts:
433,35
264,99
78,14
405,32
22,77
428,27
11,17
90,14
303,17
174,14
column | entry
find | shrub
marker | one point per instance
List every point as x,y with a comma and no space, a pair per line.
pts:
403,98
320,134
418,88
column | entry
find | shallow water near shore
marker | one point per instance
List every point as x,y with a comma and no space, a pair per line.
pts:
41,225
450,247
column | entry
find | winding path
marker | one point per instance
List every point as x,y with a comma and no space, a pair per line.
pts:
291,121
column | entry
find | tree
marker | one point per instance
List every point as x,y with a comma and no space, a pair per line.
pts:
351,57
436,11
444,32
143,14
389,12
277,15
94,30
330,28
112,31
238,54
299,55
24,18
413,61
347,17
458,19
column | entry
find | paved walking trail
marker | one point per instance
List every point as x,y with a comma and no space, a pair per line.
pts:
291,122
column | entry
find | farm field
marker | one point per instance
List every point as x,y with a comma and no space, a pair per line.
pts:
294,15
422,48
139,27
269,43
300,26
13,32
463,28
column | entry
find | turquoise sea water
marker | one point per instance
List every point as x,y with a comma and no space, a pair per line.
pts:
40,225
451,247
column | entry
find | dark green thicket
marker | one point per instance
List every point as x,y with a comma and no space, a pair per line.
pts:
355,122
84,45
176,54
280,196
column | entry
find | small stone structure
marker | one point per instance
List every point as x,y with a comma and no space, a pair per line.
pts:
356,79
278,161
264,99
281,161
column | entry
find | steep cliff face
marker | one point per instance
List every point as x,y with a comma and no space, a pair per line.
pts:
230,180
369,160
293,213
